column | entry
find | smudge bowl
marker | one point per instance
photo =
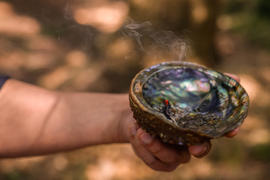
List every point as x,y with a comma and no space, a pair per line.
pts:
185,104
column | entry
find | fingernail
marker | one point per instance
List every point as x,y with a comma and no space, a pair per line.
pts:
197,150
146,138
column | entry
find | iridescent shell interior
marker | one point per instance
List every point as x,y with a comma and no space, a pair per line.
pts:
192,97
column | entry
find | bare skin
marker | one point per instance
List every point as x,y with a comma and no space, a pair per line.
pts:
35,121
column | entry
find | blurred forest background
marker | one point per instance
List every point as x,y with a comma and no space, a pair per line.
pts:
86,45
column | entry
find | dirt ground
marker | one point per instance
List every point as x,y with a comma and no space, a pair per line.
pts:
72,56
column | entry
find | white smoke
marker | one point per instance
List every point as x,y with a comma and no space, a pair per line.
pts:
143,33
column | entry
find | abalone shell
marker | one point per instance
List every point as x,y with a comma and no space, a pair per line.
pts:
185,103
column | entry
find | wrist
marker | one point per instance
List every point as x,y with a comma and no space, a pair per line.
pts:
125,117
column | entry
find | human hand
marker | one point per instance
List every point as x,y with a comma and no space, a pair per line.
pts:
160,156
153,152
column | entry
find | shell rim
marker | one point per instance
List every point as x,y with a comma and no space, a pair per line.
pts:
146,107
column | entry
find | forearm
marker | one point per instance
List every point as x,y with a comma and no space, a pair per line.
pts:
90,118
36,121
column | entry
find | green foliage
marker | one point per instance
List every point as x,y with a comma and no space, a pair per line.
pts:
222,154
263,9
14,175
252,19
234,6
261,152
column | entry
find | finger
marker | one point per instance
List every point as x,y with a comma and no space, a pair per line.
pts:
201,150
161,151
151,161
148,157
237,78
232,133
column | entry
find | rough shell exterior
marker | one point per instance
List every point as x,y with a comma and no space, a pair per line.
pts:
157,124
